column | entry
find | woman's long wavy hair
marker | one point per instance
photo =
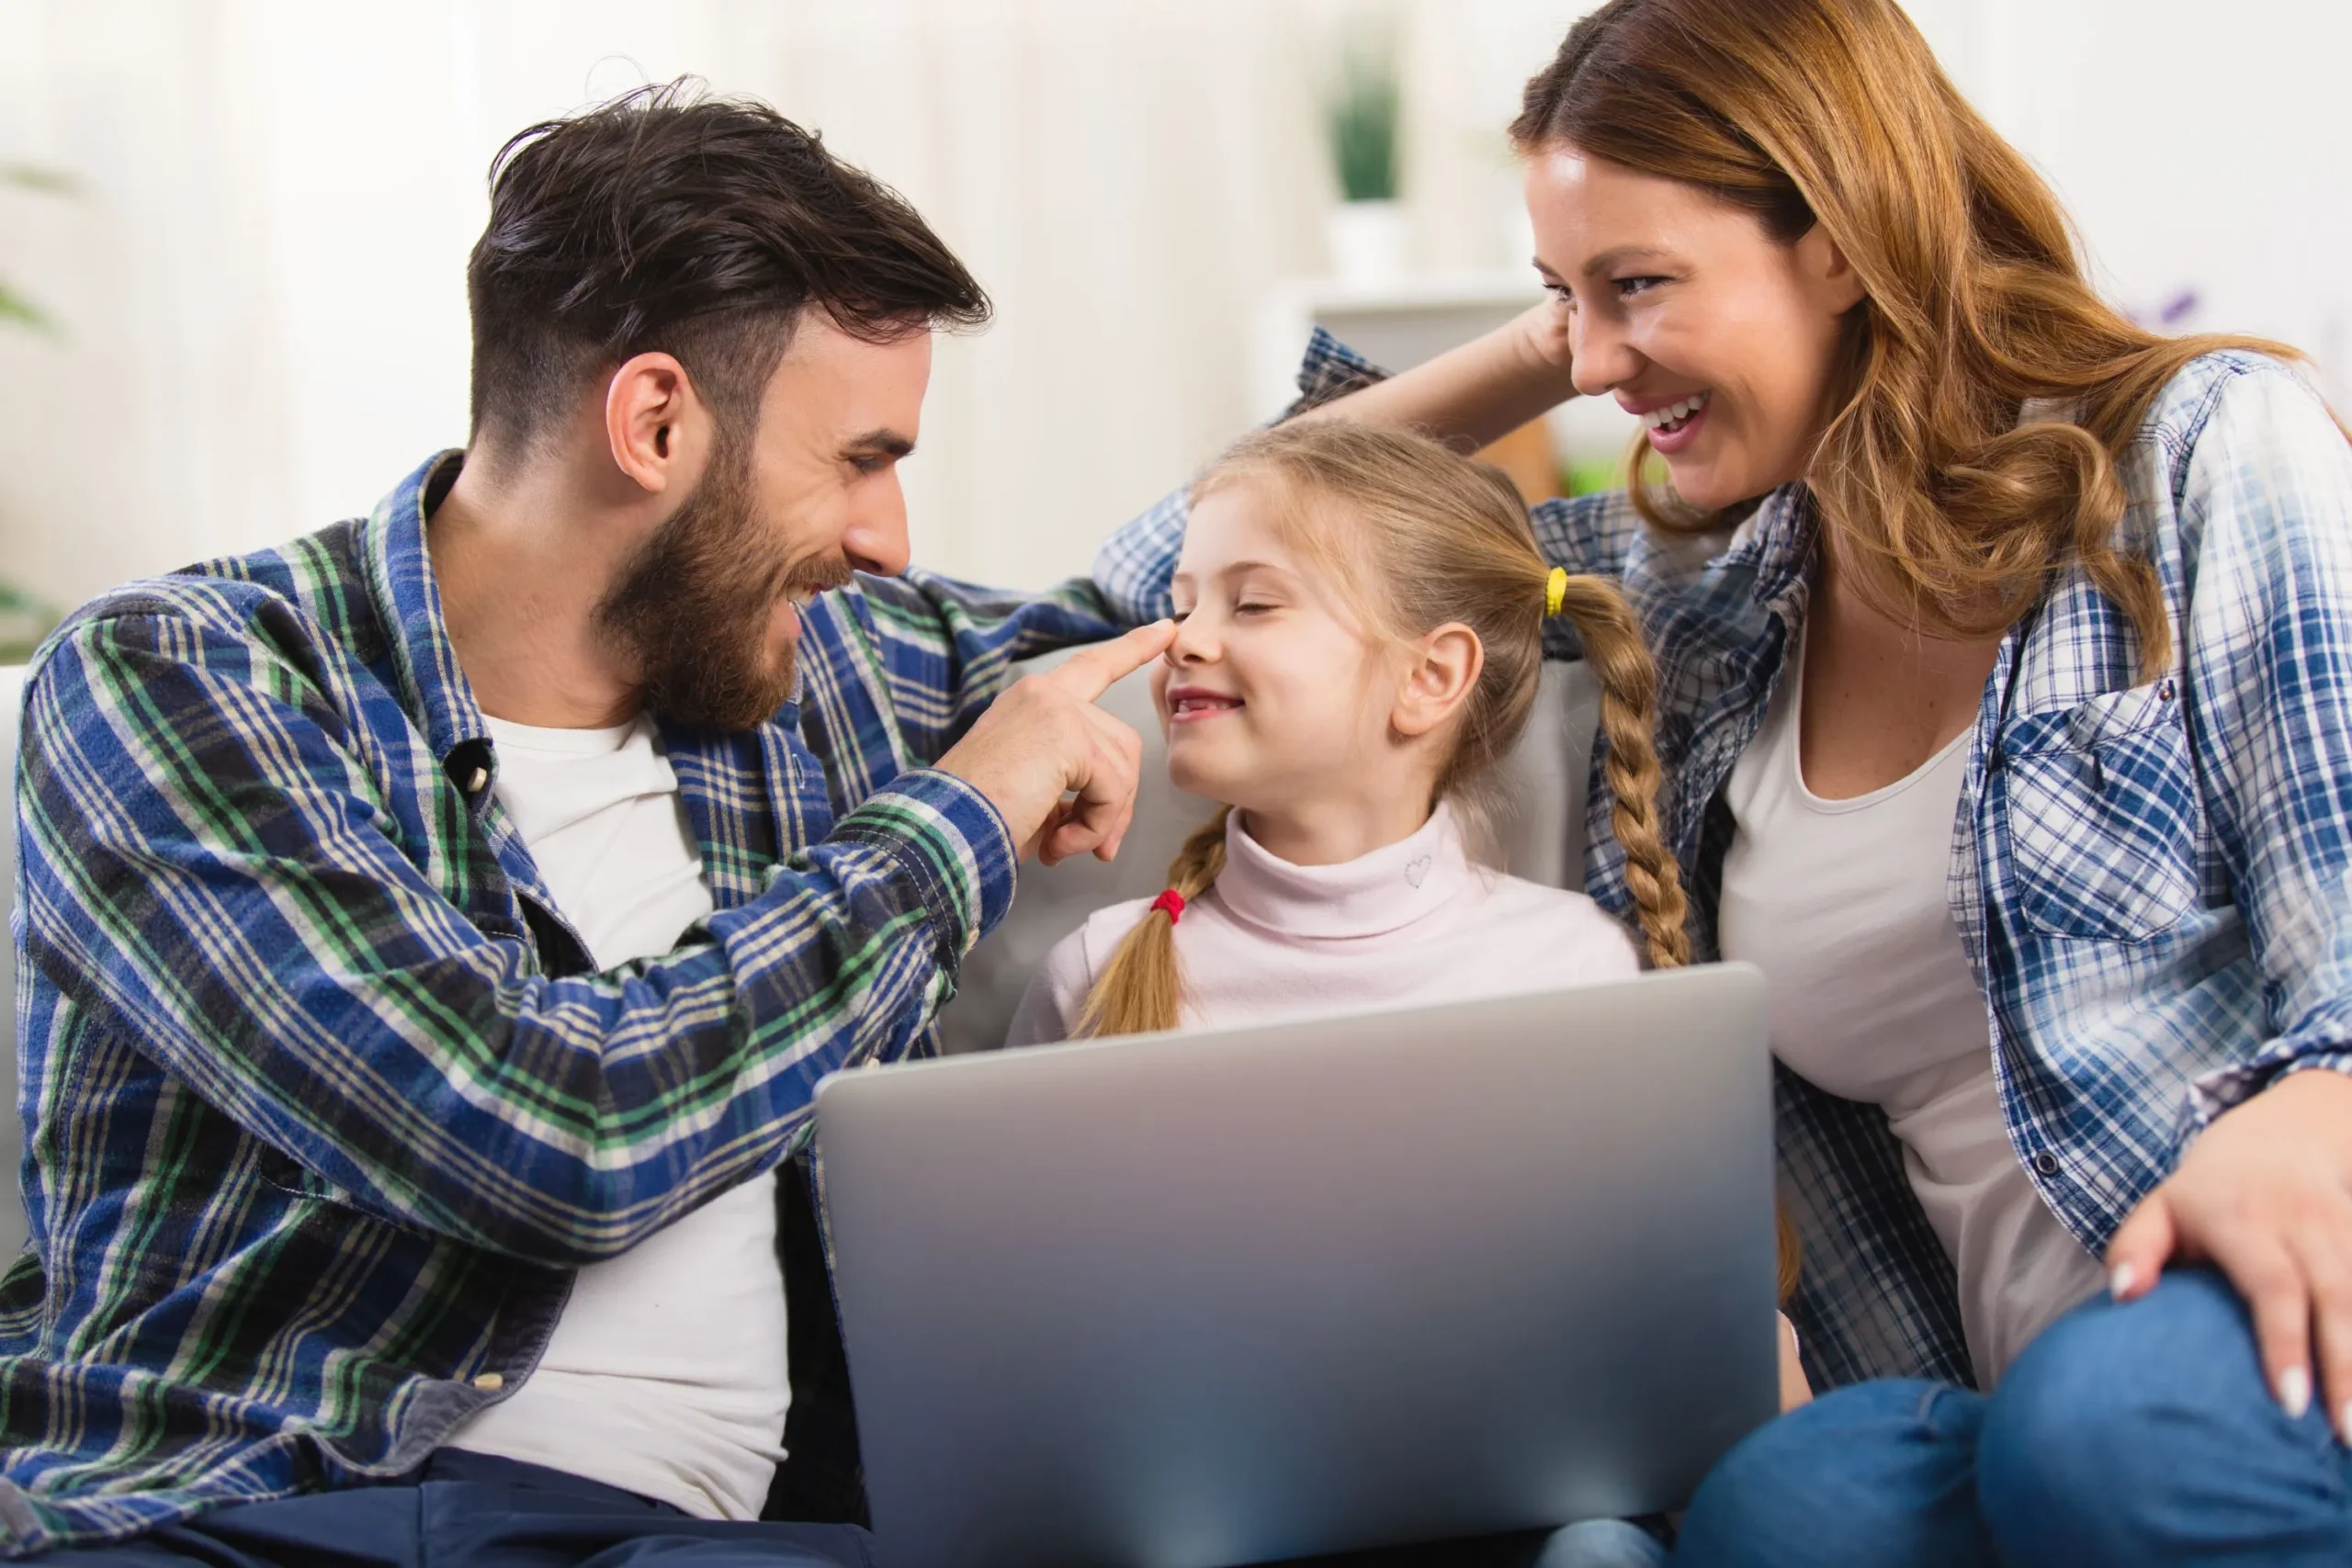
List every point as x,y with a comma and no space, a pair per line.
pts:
1835,112
1420,537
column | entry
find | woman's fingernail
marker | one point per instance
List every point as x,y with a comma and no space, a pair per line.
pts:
2295,1392
2119,1284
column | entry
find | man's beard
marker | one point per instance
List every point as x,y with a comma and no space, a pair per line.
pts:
693,608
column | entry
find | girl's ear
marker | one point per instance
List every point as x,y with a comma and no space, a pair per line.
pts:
1438,679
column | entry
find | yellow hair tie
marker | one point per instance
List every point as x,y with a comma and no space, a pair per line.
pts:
1555,591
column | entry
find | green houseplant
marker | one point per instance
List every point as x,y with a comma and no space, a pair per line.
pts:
1364,116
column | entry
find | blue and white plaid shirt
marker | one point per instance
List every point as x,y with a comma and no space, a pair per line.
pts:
2154,881
324,1101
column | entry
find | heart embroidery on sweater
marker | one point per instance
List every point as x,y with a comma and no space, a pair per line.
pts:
1416,869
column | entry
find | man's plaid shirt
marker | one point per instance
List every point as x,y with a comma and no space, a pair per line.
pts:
2154,880
323,1105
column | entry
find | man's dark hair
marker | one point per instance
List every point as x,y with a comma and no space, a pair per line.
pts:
699,226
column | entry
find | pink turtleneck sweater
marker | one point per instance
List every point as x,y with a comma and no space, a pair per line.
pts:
1415,921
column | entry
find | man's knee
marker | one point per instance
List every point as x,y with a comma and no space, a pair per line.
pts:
2128,1433
1878,1472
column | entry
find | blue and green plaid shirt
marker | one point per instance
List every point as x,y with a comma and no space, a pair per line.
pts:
2153,880
324,1103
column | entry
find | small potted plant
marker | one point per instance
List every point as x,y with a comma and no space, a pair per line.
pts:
1366,230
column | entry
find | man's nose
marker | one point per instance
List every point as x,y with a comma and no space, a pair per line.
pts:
1604,359
876,540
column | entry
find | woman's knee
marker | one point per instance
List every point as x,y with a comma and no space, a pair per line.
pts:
1876,1474
2128,1433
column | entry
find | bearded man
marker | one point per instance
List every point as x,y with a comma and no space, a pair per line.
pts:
434,929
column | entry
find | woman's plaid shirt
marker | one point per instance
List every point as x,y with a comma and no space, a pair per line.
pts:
2154,880
323,1105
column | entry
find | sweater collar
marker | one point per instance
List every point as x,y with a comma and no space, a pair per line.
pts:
1369,896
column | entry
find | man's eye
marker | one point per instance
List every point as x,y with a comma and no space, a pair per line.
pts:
869,464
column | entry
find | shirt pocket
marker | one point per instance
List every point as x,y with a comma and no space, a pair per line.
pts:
2103,815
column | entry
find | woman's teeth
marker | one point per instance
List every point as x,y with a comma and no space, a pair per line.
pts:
1673,415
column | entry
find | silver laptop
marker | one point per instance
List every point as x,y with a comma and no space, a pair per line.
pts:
1200,1299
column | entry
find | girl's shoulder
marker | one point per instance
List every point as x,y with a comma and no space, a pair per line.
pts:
1564,932
1058,990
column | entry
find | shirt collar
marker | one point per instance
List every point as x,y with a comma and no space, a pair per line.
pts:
1371,896
408,604
1776,542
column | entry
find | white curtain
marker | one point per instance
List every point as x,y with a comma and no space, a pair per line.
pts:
259,285
259,288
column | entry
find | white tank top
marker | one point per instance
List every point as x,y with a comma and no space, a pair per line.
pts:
1843,904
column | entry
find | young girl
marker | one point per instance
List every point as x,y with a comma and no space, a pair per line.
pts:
1362,631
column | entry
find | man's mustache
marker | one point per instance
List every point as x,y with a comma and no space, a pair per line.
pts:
821,574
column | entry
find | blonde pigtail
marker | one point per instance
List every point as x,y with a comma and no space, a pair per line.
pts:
1141,989
1614,647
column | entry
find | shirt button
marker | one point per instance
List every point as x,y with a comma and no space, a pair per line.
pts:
490,1382
477,780
2045,1163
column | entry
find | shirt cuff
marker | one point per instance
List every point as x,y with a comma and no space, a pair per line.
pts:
2230,1086
952,841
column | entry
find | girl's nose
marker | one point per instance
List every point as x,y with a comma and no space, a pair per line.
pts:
1194,644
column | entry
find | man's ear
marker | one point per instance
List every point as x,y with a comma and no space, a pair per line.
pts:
1443,671
1828,271
655,424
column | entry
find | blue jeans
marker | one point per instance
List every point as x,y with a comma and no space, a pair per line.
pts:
469,1510
2136,1435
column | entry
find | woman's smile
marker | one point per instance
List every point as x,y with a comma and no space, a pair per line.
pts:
1673,424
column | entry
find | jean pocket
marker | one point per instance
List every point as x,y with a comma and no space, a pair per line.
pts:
2102,812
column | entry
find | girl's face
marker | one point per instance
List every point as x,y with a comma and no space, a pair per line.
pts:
1272,696
1723,340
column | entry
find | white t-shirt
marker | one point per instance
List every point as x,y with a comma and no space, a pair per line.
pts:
1843,904
1414,921
665,1375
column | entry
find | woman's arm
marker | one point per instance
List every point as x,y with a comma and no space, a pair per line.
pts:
2265,1191
1477,393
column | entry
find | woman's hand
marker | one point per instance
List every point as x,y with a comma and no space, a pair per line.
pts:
1794,1390
1543,333
2265,1195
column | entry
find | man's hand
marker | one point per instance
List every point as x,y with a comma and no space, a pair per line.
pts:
2265,1195
1045,739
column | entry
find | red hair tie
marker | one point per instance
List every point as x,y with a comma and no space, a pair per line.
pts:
1172,902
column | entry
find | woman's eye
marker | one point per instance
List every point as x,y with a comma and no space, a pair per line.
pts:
1561,292
1251,607
1628,287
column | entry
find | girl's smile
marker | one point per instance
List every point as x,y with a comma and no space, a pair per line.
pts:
1190,705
